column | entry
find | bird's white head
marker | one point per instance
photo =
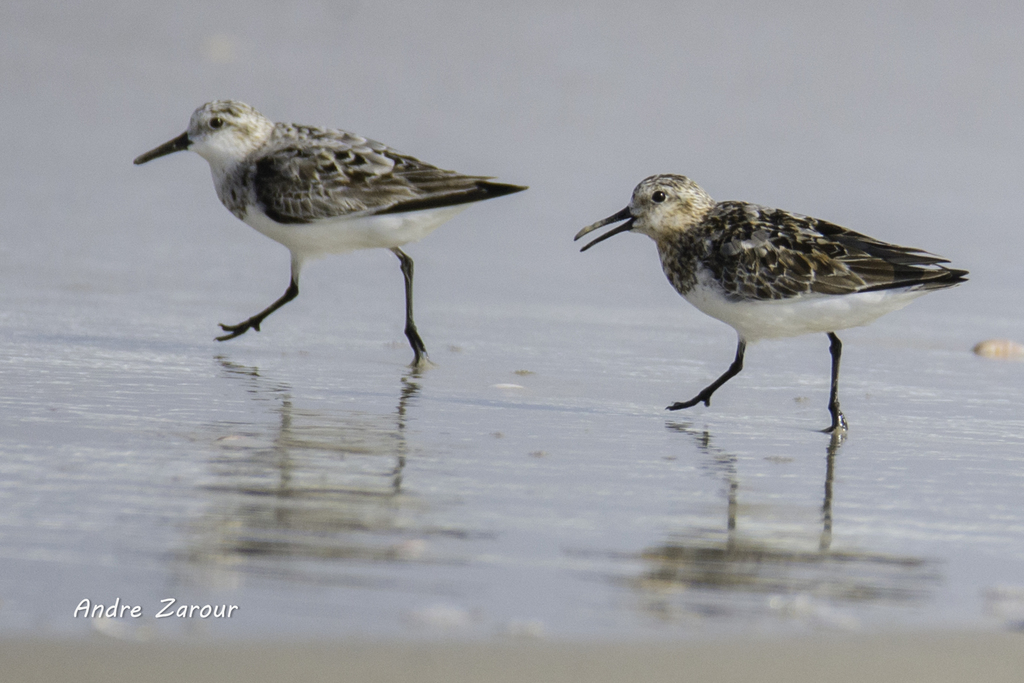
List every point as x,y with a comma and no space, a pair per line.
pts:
661,205
224,132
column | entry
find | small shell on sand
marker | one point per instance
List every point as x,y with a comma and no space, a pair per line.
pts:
1000,348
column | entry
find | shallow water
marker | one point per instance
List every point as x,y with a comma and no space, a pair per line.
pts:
533,489
531,484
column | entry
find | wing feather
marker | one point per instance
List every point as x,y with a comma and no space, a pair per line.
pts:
773,254
334,173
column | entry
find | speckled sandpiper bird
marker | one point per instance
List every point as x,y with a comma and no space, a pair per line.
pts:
770,273
323,191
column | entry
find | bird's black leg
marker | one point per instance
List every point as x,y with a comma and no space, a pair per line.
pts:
254,322
838,419
418,348
705,395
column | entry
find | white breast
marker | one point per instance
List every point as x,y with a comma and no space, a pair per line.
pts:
812,313
344,234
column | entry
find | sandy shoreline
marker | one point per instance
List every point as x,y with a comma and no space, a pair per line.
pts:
934,658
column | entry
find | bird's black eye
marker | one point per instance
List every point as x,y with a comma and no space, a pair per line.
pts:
216,122
658,197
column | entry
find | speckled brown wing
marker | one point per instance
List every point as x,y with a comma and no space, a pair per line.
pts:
334,173
765,254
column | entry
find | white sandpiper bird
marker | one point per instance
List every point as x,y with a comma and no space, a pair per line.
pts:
770,273
323,191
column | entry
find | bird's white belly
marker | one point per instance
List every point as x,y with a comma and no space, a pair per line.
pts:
343,234
754,320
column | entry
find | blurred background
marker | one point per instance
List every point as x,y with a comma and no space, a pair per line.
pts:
899,120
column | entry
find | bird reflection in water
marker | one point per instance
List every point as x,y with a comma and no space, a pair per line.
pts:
770,569
310,485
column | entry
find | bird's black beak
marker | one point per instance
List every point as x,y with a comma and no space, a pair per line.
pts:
178,144
623,215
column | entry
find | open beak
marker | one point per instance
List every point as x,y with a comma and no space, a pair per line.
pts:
178,144
623,215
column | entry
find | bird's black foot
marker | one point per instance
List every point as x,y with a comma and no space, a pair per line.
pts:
835,348
239,329
420,361
699,398
839,424
253,323
419,349
705,394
